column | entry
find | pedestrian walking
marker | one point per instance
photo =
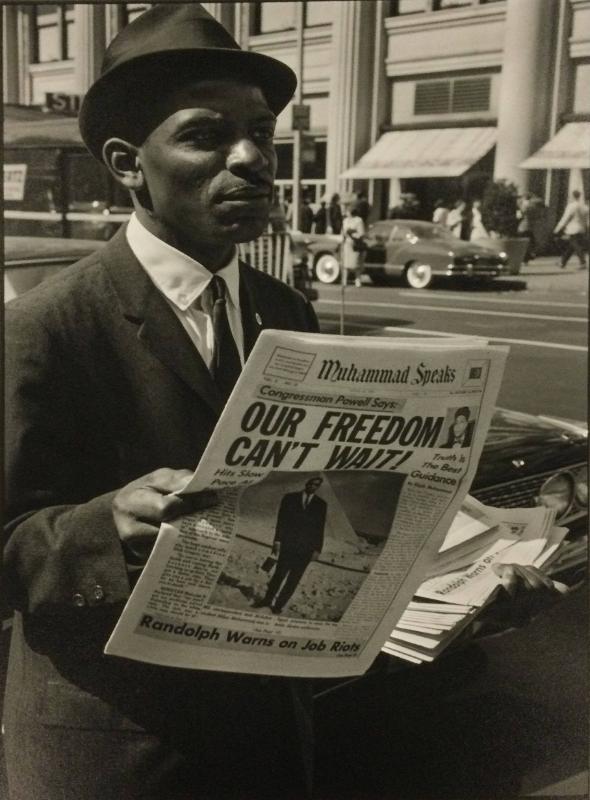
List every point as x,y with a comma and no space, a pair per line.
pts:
320,219
478,230
456,218
363,207
574,224
525,228
441,212
335,214
306,221
353,232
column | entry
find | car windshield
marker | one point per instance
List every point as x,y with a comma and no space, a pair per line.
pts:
396,230
428,231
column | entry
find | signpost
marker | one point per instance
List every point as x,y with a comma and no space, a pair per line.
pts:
301,116
15,176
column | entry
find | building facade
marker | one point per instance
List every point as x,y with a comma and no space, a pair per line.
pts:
429,96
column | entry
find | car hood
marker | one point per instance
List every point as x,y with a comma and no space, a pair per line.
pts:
510,428
521,444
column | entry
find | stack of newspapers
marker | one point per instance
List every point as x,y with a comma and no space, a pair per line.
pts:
461,580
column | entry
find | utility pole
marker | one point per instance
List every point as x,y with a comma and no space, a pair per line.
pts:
297,130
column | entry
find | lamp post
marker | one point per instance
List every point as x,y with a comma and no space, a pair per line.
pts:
296,123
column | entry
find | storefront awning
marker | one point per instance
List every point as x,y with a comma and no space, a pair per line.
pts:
433,153
568,149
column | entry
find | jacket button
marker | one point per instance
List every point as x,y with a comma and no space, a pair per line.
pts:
98,593
78,600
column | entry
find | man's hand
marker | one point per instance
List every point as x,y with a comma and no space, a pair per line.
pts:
529,589
315,555
142,505
276,549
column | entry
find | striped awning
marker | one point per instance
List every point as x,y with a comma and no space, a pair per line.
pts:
568,149
433,153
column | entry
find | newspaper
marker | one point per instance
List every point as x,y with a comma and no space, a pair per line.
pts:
339,464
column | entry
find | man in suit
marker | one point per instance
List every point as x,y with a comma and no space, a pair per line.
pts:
116,372
299,538
461,430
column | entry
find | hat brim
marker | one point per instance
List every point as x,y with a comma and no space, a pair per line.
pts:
108,107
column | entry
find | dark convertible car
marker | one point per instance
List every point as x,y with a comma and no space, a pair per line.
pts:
414,251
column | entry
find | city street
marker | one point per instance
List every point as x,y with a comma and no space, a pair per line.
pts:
541,315
509,720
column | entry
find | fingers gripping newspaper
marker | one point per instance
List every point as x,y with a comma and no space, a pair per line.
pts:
339,464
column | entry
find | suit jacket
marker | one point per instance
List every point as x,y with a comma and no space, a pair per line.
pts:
104,385
299,530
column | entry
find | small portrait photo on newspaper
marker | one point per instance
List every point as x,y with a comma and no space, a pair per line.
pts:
306,541
459,426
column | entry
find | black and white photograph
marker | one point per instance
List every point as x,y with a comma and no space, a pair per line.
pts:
459,427
181,178
305,543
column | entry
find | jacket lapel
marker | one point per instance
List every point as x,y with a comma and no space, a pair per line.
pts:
250,305
158,327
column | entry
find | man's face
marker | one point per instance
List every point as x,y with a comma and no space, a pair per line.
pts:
459,425
210,164
312,486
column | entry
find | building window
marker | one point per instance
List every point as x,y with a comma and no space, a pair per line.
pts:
319,12
53,32
441,5
272,17
130,11
456,96
399,8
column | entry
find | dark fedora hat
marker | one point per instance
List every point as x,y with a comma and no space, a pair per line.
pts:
167,45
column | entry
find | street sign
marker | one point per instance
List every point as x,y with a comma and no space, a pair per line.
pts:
15,176
300,117
62,102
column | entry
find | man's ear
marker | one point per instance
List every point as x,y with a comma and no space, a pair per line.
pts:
122,160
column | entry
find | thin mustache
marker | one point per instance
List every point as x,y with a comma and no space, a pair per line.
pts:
261,187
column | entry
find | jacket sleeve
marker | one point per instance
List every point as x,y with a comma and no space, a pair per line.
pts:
61,550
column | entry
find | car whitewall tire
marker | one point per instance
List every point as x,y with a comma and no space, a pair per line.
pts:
327,268
418,275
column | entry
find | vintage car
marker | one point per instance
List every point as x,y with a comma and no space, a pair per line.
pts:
412,250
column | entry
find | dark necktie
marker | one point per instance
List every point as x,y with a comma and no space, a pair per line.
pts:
225,365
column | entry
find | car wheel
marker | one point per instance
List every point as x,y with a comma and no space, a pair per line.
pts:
418,275
327,268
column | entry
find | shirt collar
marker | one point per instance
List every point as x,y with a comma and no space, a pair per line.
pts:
179,277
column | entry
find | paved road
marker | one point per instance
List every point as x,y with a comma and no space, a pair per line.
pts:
545,327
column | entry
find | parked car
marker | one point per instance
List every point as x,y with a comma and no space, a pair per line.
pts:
321,251
30,259
413,250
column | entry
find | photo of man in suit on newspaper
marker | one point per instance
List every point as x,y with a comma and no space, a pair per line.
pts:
309,563
299,538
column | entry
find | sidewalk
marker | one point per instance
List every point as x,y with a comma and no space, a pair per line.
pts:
545,274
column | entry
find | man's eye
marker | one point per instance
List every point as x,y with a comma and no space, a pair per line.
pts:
264,134
202,138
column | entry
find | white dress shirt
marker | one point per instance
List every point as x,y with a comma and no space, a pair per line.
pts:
182,280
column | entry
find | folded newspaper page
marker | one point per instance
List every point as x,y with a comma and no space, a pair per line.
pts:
339,463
